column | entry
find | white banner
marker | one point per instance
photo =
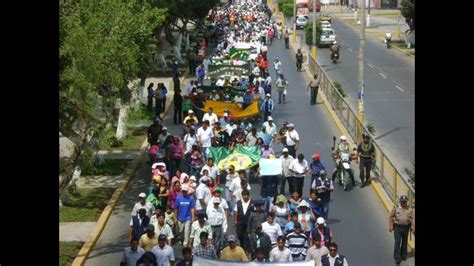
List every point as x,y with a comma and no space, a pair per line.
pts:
269,166
197,261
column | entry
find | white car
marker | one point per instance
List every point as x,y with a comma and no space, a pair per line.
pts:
325,24
301,21
327,37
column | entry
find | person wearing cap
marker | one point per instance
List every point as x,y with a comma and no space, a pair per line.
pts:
204,136
281,210
190,116
282,85
211,117
305,217
298,170
267,106
161,227
218,220
323,231
164,253
138,224
257,216
143,204
333,258
233,252
316,251
132,254
150,239
297,243
201,225
365,158
212,169
292,139
270,127
323,187
242,210
286,159
258,238
185,208
203,194
316,166
400,221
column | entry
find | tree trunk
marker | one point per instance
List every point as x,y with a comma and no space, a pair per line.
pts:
121,132
186,42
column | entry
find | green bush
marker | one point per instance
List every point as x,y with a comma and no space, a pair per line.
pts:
339,88
287,10
110,167
308,32
370,127
140,114
411,174
113,142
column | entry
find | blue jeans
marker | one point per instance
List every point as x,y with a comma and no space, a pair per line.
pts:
281,95
325,210
268,201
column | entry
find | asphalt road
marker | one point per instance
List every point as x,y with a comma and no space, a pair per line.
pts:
389,89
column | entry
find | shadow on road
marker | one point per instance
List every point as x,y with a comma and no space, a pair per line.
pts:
387,133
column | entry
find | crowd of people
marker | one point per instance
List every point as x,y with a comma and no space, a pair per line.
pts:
192,203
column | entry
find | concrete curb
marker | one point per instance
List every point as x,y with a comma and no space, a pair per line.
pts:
104,217
398,49
378,189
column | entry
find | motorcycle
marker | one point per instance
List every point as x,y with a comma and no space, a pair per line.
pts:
344,171
298,66
388,42
334,57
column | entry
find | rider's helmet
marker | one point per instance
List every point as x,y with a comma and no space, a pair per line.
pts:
335,42
322,173
343,138
365,136
388,31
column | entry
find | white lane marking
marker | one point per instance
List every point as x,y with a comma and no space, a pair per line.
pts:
381,74
398,87
350,50
371,66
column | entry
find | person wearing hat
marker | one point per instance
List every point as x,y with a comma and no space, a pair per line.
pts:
164,253
138,224
257,216
292,139
150,239
342,147
323,231
305,217
185,208
218,220
258,238
316,166
143,204
132,254
297,243
400,221
267,106
233,252
281,210
203,194
270,127
201,225
286,159
211,117
365,158
323,187
190,116
316,251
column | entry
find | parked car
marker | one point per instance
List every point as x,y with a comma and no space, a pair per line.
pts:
327,37
301,21
326,17
325,24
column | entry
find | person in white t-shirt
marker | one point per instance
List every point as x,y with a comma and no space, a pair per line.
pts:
204,136
298,169
210,116
271,228
292,139
203,194
281,253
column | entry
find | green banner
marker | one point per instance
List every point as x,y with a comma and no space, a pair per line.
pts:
221,153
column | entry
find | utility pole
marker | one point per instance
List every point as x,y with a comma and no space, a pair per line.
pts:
360,106
368,16
294,21
313,48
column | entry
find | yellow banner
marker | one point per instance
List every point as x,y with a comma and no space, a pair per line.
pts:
238,113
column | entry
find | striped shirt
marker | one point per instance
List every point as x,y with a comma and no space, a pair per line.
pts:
298,245
207,252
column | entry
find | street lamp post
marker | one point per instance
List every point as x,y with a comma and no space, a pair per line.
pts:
294,21
368,16
313,47
361,95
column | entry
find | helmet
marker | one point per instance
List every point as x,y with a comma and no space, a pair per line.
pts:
388,31
343,137
365,136
322,172
335,42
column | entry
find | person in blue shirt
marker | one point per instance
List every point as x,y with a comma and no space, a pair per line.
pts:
247,99
290,226
185,211
267,107
316,166
267,138
150,97
244,84
164,91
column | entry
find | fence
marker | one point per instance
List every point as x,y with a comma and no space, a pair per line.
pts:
391,179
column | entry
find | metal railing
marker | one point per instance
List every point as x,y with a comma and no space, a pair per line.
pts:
391,179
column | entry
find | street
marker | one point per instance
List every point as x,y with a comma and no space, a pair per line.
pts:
357,217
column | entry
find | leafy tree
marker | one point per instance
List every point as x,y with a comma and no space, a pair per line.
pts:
288,9
308,31
407,8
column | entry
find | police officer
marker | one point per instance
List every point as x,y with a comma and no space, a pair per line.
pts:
366,153
342,147
299,60
400,220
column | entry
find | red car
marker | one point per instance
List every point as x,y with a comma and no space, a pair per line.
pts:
318,7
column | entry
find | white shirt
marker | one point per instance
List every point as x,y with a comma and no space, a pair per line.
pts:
299,168
245,206
277,255
212,118
238,99
273,230
256,70
202,192
213,172
223,204
189,141
268,80
285,164
217,217
229,128
165,230
277,65
333,260
216,97
316,254
220,83
291,137
148,206
205,136
235,185
163,256
272,130
229,178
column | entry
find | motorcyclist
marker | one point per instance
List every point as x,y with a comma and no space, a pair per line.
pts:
334,49
299,60
342,147
388,38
